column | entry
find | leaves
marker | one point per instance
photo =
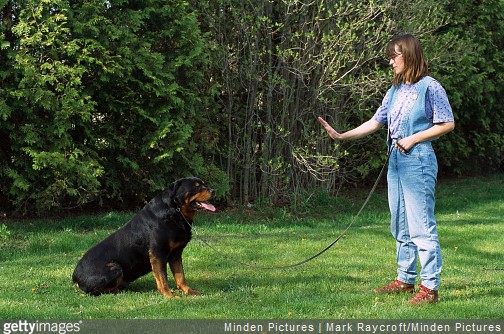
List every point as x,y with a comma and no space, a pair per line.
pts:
101,95
148,91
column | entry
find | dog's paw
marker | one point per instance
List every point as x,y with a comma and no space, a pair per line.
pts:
193,292
167,293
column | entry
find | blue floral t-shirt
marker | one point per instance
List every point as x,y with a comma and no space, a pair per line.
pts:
437,106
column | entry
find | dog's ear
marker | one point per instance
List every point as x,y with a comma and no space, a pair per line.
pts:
171,188
170,195
174,192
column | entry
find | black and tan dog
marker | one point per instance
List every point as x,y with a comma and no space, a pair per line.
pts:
154,237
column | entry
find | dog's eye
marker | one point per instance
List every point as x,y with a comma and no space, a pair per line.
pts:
197,184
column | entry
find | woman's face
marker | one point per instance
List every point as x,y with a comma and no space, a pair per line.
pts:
397,61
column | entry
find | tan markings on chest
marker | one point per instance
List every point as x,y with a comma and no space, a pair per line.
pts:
174,245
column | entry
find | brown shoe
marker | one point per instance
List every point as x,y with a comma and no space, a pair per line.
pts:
425,295
396,287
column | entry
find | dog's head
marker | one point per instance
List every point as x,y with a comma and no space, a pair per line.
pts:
191,195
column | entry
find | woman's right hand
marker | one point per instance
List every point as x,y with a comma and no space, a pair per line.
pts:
330,130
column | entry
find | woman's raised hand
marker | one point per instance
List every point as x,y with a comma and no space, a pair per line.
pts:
330,130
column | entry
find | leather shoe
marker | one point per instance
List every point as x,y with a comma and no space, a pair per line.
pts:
424,296
396,287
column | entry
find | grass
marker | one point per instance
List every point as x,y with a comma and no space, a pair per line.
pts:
38,256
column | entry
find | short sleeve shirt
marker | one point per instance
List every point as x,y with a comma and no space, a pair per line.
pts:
437,106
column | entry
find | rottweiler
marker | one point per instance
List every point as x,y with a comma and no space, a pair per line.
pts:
155,236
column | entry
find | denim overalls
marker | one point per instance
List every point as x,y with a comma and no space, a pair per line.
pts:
411,186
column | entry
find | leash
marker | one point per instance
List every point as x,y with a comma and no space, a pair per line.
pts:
250,265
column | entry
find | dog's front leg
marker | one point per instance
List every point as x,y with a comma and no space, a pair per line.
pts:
158,265
175,261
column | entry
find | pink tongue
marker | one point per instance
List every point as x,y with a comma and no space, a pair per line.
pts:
207,206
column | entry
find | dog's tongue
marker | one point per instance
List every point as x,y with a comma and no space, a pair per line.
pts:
207,206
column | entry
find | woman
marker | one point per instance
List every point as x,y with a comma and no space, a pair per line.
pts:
416,111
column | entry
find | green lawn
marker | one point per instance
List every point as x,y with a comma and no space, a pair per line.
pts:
38,256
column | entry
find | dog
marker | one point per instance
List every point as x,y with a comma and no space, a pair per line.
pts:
154,237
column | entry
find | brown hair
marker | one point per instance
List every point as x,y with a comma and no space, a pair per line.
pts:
415,63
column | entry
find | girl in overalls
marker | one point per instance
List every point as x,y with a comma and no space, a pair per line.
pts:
416,110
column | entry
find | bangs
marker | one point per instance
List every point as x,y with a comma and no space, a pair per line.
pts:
390,50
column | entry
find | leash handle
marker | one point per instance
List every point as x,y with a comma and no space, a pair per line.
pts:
245,264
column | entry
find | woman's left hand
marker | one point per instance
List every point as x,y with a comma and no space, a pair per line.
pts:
437,130
405,144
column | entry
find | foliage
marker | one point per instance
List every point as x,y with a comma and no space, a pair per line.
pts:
287,62
473,73
105,103
99,99
4,235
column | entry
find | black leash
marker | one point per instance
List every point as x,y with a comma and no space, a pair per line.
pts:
233,259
